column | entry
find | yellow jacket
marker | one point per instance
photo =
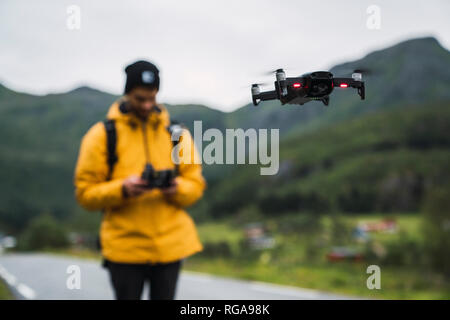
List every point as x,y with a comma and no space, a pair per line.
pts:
151,227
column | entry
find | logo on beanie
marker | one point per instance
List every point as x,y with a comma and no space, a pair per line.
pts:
148,77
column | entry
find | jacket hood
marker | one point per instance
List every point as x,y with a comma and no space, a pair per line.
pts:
117,111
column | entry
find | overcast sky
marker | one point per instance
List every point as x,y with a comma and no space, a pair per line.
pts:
209,52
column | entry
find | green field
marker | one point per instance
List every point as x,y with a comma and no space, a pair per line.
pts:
299,259
5,294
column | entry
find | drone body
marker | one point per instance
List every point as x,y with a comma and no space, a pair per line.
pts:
311,86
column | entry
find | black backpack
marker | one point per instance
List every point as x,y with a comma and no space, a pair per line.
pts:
111,138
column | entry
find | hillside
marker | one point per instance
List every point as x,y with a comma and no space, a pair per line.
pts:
386,162
41,134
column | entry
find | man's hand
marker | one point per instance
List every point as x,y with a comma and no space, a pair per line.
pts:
134,186
170,191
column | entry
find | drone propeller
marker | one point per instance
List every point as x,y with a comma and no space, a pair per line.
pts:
292,70
271,72
364,71
259,84
358,69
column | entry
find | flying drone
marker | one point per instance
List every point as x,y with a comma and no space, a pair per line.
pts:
308,87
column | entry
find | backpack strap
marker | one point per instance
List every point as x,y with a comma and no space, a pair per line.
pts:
175,127
111,140
111,137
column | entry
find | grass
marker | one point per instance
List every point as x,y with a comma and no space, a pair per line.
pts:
5,293
341,278
82,253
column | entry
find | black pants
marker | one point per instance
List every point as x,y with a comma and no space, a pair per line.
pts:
128,279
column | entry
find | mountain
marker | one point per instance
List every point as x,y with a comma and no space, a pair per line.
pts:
41,134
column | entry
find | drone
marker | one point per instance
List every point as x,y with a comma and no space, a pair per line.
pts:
314,86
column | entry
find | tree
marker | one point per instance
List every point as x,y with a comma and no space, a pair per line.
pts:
43,232
436,226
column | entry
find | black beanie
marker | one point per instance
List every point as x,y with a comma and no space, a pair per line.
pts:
142,73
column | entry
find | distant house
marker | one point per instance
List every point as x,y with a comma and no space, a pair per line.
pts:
385,225
257,238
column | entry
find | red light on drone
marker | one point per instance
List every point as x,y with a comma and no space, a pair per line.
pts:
297,85
343,85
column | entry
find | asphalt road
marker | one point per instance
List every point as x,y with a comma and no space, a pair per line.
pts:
45,276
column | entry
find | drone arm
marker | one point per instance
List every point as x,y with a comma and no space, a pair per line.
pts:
349,82
264,96
362,91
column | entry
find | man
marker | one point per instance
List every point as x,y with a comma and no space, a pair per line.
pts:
145,233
